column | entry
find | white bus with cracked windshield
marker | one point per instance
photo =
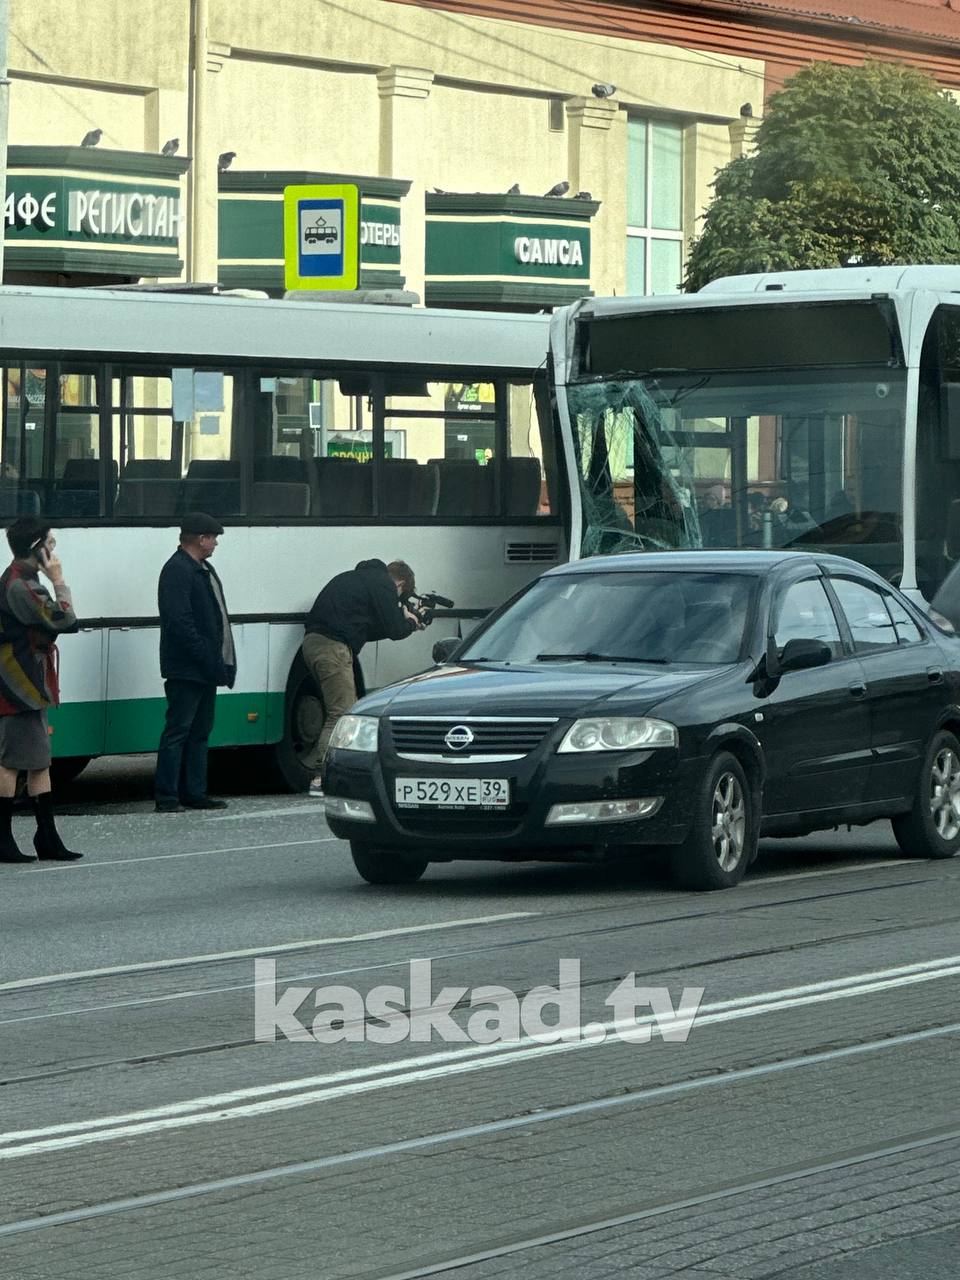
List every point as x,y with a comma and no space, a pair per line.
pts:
319,434
815,410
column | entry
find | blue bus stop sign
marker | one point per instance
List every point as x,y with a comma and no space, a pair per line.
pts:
321,236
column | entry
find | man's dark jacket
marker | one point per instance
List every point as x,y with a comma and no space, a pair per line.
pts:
191,624
359,605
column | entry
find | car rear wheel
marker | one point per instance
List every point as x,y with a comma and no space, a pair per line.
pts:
723,837
386,866
932,827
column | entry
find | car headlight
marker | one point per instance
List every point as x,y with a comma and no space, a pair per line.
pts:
356,733
619,733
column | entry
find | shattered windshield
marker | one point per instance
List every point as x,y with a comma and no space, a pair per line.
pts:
759,458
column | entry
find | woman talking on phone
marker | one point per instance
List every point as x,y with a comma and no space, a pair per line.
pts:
31,618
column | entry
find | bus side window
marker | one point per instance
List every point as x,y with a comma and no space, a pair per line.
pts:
173,442
283,409
51,442
312,445
21,455
147,445
530,468
440,446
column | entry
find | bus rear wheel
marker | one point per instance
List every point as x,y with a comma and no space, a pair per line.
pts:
303,717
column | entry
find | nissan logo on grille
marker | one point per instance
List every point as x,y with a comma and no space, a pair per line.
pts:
459,737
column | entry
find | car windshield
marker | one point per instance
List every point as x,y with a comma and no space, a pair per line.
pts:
656,617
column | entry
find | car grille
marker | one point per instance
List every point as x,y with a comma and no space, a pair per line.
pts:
506,737
446,822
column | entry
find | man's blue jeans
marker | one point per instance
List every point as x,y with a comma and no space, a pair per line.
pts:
182,754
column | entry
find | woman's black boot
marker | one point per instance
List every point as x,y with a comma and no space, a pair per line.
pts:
9,852
47,841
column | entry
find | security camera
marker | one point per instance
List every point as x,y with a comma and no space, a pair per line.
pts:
883,390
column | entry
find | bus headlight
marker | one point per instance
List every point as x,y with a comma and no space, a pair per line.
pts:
619,733
356,733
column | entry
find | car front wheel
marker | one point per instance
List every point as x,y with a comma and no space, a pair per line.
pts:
385,866
932,827
723,836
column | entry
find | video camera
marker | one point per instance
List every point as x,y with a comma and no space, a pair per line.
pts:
425,605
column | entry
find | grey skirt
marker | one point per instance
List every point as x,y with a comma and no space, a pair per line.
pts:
24,741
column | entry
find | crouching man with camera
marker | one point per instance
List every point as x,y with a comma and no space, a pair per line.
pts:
365,603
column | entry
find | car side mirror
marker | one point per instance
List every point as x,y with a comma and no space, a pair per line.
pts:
801,655
444,648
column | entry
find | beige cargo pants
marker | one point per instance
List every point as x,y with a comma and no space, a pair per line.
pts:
331,664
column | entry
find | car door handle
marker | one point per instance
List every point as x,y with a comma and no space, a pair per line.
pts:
858,690
934,675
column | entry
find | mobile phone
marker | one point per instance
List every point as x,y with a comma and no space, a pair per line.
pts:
40,551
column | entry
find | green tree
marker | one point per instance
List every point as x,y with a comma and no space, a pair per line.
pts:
852,164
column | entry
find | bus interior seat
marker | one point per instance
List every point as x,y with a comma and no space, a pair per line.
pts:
149,487
151,469
74,504
466,488
83,473
77,492
280,469
522,485
280,498
211,485
344,487
15,501
409,488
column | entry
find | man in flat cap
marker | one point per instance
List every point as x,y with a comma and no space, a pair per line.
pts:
196,655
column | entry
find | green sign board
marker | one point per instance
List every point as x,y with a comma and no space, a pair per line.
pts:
512,249
251,227
73,209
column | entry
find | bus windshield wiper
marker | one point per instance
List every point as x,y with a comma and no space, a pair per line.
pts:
595,657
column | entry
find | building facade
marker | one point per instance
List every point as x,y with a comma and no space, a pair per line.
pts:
455,118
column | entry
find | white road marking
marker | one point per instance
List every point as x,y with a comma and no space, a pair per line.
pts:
314,806
162,857
527,1120
270,950
833,871
263,1100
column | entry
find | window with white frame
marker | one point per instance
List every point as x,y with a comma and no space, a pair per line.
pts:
654,206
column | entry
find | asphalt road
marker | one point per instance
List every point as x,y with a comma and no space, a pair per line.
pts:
805,1126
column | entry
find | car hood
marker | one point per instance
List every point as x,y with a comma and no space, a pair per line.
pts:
560,689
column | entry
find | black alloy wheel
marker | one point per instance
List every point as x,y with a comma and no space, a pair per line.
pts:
932,827
723,836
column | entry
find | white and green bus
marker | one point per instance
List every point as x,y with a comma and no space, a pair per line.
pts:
806,409
319,434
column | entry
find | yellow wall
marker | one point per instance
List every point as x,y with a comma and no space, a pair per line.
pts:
286,116
509,141
307,84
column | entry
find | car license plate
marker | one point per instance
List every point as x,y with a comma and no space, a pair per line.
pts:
452,793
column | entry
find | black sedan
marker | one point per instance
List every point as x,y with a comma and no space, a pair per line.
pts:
694,700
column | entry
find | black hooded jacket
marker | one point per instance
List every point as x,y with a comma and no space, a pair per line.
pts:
359,605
